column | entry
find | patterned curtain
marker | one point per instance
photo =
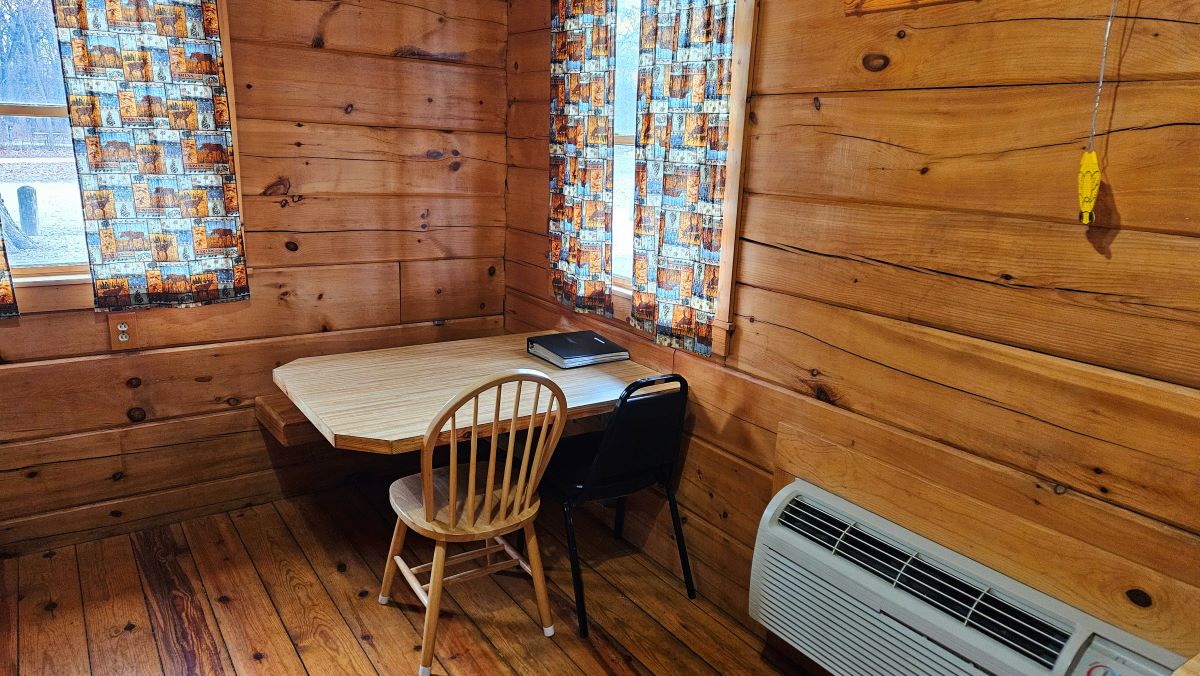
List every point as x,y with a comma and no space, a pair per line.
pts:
150,119
681,145
8,298
582,62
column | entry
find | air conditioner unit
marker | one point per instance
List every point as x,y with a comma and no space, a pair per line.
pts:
860,595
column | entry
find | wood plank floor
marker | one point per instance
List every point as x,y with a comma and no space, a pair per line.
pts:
290,587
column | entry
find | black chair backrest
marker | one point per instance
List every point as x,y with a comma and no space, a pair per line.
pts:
641,444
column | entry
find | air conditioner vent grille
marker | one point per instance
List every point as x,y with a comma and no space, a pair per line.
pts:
977,607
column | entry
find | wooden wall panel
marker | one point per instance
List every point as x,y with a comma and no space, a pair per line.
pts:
528,199
370,138
1118,531
460,31
815,47
909,251
314,85
884,147
289,249
527,16
451,288
985,397
375,213
280,158
105,390
1001,279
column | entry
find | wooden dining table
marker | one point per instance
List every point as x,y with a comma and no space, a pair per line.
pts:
382,401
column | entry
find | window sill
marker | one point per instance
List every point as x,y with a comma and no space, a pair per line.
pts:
54,293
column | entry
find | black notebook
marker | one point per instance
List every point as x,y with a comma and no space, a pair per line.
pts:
581,348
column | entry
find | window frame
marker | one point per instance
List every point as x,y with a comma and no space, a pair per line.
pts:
44,288
745,34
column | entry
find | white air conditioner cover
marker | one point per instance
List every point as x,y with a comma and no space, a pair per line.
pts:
892,602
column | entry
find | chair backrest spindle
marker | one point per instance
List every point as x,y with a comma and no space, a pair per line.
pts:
510,493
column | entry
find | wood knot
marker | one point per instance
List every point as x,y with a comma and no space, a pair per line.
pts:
901,34
31,474
133,383
291,246
1139,597
129,626
823,394
362,593
117,476
491,271
434,154
319,42
50,606
136,414
349,108
341,567
876,62
280,186
116,514
455,166
223,599
817,102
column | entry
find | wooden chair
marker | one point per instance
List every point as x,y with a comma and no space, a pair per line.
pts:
481,499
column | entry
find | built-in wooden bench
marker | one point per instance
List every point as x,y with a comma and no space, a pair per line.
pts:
284,421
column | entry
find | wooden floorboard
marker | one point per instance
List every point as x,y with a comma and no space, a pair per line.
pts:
185,630
290,587
52,637
119,635
316,627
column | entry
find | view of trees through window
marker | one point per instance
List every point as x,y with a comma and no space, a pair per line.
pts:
625,125
39,190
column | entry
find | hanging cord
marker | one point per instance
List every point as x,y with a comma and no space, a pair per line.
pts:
1112,13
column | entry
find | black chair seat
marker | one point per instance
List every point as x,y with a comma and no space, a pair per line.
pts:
570,464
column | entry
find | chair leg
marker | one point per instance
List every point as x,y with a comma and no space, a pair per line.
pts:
683,555
539,579
389,566
619,518
431,611
576,572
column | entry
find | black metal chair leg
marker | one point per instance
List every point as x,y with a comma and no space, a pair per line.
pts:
576,573
683,555
619,518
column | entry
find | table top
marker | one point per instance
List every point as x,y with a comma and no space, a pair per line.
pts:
382,401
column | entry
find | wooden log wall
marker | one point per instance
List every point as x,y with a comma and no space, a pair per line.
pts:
909,252
372,148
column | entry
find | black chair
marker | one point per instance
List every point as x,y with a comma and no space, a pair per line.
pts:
639,448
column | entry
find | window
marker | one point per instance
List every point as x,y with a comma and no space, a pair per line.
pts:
625,126
39,186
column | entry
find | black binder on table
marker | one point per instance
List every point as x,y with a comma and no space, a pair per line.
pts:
570,350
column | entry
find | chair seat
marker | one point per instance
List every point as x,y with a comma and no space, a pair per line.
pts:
566,477
570,464
407,498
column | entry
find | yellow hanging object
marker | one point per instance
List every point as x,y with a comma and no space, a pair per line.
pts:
1089,186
